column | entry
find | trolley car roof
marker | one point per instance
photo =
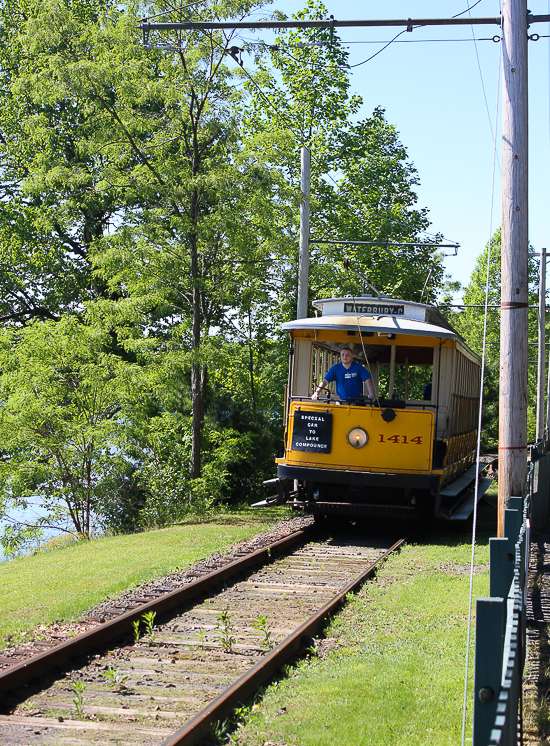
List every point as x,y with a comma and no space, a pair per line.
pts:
376,324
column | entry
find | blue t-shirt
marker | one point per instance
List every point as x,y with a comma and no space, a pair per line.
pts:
349,381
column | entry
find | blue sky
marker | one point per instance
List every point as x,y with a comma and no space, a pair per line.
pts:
433,92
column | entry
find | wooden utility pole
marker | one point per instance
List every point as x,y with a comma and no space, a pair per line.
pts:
541,370
303,260
514,296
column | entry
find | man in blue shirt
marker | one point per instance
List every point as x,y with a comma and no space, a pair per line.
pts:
349,377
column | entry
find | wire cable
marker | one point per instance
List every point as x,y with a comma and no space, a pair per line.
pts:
382,49
410,28
480,412
483,84
174,10
468,9
375,382
255,43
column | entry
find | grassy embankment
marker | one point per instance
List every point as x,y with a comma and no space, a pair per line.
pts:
61,584
395,673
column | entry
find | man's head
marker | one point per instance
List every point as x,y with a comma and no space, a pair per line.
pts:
346,355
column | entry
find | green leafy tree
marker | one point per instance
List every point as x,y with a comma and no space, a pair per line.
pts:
52,210
470,323
362,184
64,403
169,140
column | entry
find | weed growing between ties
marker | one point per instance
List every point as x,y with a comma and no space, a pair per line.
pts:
77,687
263,628
394,673
149,621
115,678
536,682
201,634
536,702
224,629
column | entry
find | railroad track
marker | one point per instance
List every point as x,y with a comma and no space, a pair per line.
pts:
207,649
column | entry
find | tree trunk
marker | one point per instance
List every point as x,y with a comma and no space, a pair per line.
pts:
196,382
251,363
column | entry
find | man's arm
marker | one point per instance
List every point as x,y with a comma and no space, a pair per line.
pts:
367,378
320,387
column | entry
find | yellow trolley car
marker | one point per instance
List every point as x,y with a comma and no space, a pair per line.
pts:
410,449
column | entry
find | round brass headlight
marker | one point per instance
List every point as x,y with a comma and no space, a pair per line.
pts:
357,437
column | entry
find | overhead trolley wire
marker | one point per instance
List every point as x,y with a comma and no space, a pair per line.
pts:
480,412
381,50
468,9
417,41
408,29
483,86
175,10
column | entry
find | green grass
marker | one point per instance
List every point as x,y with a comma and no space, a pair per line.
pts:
60,585
396,674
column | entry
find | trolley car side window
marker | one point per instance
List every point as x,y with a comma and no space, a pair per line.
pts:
412,381
323,359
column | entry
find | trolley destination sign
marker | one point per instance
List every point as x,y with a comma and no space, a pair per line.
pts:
312,432
376,309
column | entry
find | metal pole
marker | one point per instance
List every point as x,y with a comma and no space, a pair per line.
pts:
408,23
541,377
303,260
548,400
514,297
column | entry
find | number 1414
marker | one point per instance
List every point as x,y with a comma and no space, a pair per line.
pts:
404,439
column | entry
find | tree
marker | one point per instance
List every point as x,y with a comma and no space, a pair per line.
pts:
362,184
63,414
470,323
52,210
150,203
169,143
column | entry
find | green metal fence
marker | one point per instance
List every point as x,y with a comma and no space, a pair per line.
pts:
539,481
500,640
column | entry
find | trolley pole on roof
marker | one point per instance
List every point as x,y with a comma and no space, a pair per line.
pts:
303,259
514,289
541,378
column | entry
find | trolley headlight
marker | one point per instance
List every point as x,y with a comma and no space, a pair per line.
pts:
358,437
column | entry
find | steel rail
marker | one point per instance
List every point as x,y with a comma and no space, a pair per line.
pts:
201,725
16,676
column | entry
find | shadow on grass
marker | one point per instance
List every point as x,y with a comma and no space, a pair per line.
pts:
245,515
427,530
454,533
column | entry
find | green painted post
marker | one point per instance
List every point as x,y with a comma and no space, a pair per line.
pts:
499,567
512,525
490,628
516,503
